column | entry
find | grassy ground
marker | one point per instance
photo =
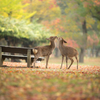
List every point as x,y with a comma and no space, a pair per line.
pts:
22,83
87,61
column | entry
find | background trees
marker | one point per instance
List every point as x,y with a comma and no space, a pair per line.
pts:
79,13
15,27
45,9
14,9
20,32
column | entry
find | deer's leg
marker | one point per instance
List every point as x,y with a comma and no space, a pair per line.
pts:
35,59
47,58
71,62
62,61
32,61
66,61
77,61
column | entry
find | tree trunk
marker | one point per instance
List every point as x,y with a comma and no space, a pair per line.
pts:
83,47
81,55
56,52
97,52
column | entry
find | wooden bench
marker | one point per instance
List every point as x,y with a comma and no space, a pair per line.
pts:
21,53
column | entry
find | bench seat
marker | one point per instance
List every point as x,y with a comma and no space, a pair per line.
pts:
20,57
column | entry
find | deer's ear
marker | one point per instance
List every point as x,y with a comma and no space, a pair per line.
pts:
64,41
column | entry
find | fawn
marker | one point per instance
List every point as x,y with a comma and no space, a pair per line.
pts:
44,51
68,52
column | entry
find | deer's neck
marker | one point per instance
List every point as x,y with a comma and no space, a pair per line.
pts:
60,44
52,44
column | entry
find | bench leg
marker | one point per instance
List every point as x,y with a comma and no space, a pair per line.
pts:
28,58
1,60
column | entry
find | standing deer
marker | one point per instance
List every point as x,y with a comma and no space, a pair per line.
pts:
44,51
68,52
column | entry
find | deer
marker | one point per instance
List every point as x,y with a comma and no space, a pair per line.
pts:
67,52
44,51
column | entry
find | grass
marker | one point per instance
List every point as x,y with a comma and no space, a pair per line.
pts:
21,83
87,61
48,85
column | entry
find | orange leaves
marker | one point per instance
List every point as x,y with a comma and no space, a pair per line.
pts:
53,89
92,40
97,2
53,4
56,25
49,84
54,68
72,43
56,21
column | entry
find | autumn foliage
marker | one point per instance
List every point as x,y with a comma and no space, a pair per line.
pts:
92,40
72,43
23,83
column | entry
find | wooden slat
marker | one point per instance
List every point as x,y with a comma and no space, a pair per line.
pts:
0,56
20,57
14,56
13,49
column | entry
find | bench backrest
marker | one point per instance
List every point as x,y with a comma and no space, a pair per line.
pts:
12,49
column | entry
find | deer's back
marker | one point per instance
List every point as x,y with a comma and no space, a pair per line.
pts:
68,51
44,51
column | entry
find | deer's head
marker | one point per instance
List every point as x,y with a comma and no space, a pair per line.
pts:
61,40
52,38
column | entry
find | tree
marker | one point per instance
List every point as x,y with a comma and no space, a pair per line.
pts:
79,13
45,9
14,9
17,31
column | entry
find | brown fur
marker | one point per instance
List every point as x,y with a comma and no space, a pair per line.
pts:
44,51
68,52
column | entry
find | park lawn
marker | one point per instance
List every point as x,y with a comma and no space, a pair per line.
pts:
49,84
93,61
